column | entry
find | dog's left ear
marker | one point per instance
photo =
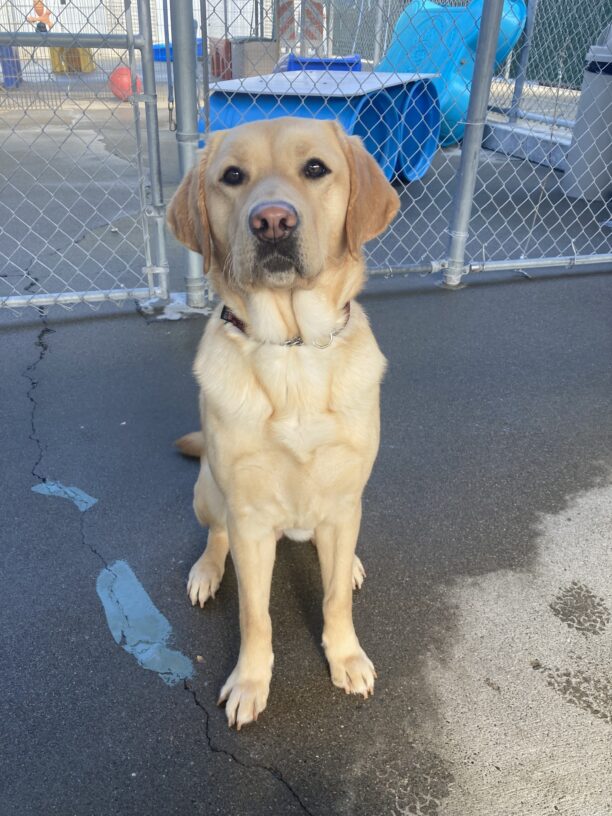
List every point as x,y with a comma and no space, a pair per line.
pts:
187,216
373,203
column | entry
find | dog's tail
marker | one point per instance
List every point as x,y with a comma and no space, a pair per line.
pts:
192,444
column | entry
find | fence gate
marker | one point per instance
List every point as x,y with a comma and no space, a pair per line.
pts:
81,208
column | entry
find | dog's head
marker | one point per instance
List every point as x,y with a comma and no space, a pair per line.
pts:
274,203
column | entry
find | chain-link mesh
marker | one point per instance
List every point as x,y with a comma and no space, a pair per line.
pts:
74,182
522,207
72,169
533,126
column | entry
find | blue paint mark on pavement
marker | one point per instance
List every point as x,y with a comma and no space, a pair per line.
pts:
137,625
81,499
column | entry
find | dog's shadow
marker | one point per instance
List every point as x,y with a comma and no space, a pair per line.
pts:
297,592
296,601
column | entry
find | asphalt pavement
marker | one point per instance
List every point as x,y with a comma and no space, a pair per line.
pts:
485,537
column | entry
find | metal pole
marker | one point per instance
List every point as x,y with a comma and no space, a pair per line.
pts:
205,65
329,30
184,57
169,74
602,262
536,117
472,140
226,31
70,298
303,23
135,99
52,39
157,210
378,35
523,60
422,269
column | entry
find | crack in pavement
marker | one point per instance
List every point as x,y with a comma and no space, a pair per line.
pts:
31,374
250,766
90,547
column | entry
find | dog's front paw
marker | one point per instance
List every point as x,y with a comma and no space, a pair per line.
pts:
353,672
245,697
359,573
204,579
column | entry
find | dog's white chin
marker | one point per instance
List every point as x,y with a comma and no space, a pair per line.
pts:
279,280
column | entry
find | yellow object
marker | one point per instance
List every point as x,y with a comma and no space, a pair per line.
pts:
71,60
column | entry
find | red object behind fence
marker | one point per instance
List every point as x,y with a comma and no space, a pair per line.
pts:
120,83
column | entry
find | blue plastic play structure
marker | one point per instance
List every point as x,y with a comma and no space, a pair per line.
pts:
401,114
371,116
295,62
396,115
430,38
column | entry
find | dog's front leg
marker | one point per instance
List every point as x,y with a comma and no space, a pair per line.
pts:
350,667
253,551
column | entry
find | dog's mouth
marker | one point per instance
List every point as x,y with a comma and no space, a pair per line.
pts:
279,264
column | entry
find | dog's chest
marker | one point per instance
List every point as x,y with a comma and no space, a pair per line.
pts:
304,415
303,435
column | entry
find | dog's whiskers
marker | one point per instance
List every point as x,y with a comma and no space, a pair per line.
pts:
228,266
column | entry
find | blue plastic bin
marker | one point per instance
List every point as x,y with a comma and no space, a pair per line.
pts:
431,38
11,67
397,117
419,131
159,51
374,117
293,62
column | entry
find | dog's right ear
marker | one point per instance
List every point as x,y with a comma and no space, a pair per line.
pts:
187,216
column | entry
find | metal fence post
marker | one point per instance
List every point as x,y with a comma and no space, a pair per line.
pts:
472,140
156,211
205,65
523,60
186,96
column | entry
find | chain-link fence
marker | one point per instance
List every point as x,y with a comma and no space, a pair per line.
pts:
480,111
81,214
403,76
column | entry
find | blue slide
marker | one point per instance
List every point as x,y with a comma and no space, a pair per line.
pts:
430,38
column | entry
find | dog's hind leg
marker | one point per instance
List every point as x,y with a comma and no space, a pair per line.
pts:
209,506
359,573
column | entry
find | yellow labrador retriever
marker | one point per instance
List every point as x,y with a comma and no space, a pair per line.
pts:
289,374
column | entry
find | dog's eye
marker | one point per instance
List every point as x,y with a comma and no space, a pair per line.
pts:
314,168
233,176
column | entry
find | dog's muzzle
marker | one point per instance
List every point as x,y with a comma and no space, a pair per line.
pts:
274,224
276,258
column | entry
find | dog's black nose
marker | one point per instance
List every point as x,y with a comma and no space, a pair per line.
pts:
273,220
